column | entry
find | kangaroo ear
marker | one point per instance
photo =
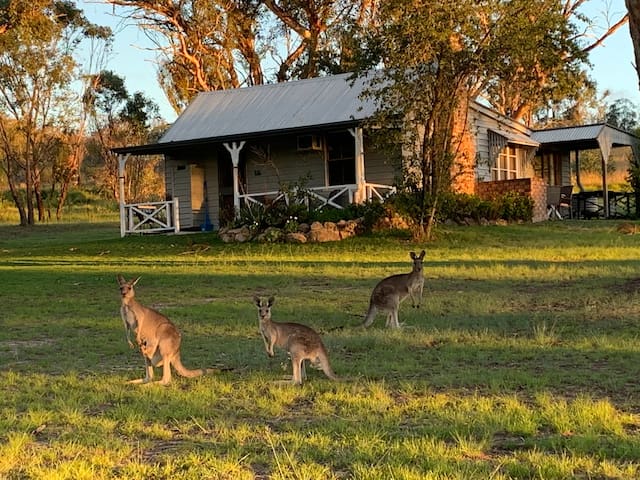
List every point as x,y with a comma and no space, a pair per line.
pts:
121,280
271,300
256,300
133,282
412,255
422,254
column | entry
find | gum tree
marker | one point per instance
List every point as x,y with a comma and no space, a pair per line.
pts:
37,68
634,29
117,119
216,45
439,55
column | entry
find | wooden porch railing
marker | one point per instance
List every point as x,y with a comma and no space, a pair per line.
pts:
150,217
336,196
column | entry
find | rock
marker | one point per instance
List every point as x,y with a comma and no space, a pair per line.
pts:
323,235
296,237
330,226
304,228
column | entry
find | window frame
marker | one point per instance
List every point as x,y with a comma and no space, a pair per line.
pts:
507,165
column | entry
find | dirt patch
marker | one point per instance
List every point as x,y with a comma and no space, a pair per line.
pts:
18,344
630,286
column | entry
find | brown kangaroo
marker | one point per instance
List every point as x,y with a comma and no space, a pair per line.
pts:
390,291
301,342
157,337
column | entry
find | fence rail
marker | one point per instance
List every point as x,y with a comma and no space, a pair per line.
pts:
150,217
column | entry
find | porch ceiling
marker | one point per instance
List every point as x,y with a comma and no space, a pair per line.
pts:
169,147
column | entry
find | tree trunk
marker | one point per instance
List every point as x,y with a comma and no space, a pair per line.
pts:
634,28
15,194
62,198
29,190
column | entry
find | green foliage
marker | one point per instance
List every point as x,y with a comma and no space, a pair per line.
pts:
370,212
624,114
80,205
437,56
460,207
512,207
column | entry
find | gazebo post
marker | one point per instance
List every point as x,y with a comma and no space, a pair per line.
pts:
605,144
122,162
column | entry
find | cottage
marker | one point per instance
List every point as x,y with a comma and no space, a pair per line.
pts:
234,147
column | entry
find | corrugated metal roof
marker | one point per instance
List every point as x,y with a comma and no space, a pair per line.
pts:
587,136
568,134
270,108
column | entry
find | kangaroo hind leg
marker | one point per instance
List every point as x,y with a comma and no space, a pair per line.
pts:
298,368
148,373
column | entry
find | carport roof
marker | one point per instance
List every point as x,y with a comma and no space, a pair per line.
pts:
585,137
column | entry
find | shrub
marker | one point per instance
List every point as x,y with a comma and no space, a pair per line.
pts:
514,207
370,212
458,207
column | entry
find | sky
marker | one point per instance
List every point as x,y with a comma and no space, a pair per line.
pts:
613,63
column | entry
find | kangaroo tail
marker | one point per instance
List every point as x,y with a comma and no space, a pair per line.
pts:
185,372
326,368
370,316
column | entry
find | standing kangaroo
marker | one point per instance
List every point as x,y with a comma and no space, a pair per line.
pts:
157,337
390,291
301,342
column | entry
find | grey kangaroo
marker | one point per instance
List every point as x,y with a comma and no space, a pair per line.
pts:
157,337
301,342
390,291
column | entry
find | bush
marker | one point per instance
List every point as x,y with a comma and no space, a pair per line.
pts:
458,207
514,207
370,212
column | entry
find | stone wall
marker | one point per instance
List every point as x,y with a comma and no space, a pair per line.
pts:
316,232
535,188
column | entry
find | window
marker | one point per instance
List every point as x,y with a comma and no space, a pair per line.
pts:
341,158
506,166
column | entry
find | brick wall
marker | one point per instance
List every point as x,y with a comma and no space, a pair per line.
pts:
463,172
535,188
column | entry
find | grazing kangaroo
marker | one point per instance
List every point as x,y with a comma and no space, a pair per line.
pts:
157,337
301,342
390,291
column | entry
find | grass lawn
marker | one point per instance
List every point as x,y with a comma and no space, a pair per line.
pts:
523,363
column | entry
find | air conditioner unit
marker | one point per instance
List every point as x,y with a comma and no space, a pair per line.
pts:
309,142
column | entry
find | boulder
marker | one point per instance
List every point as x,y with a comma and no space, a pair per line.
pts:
296,237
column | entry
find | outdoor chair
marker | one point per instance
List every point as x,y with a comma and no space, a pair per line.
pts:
559,200
565,202
553,202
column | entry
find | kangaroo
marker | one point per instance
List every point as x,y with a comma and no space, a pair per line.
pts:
301,342
157,337
390,291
